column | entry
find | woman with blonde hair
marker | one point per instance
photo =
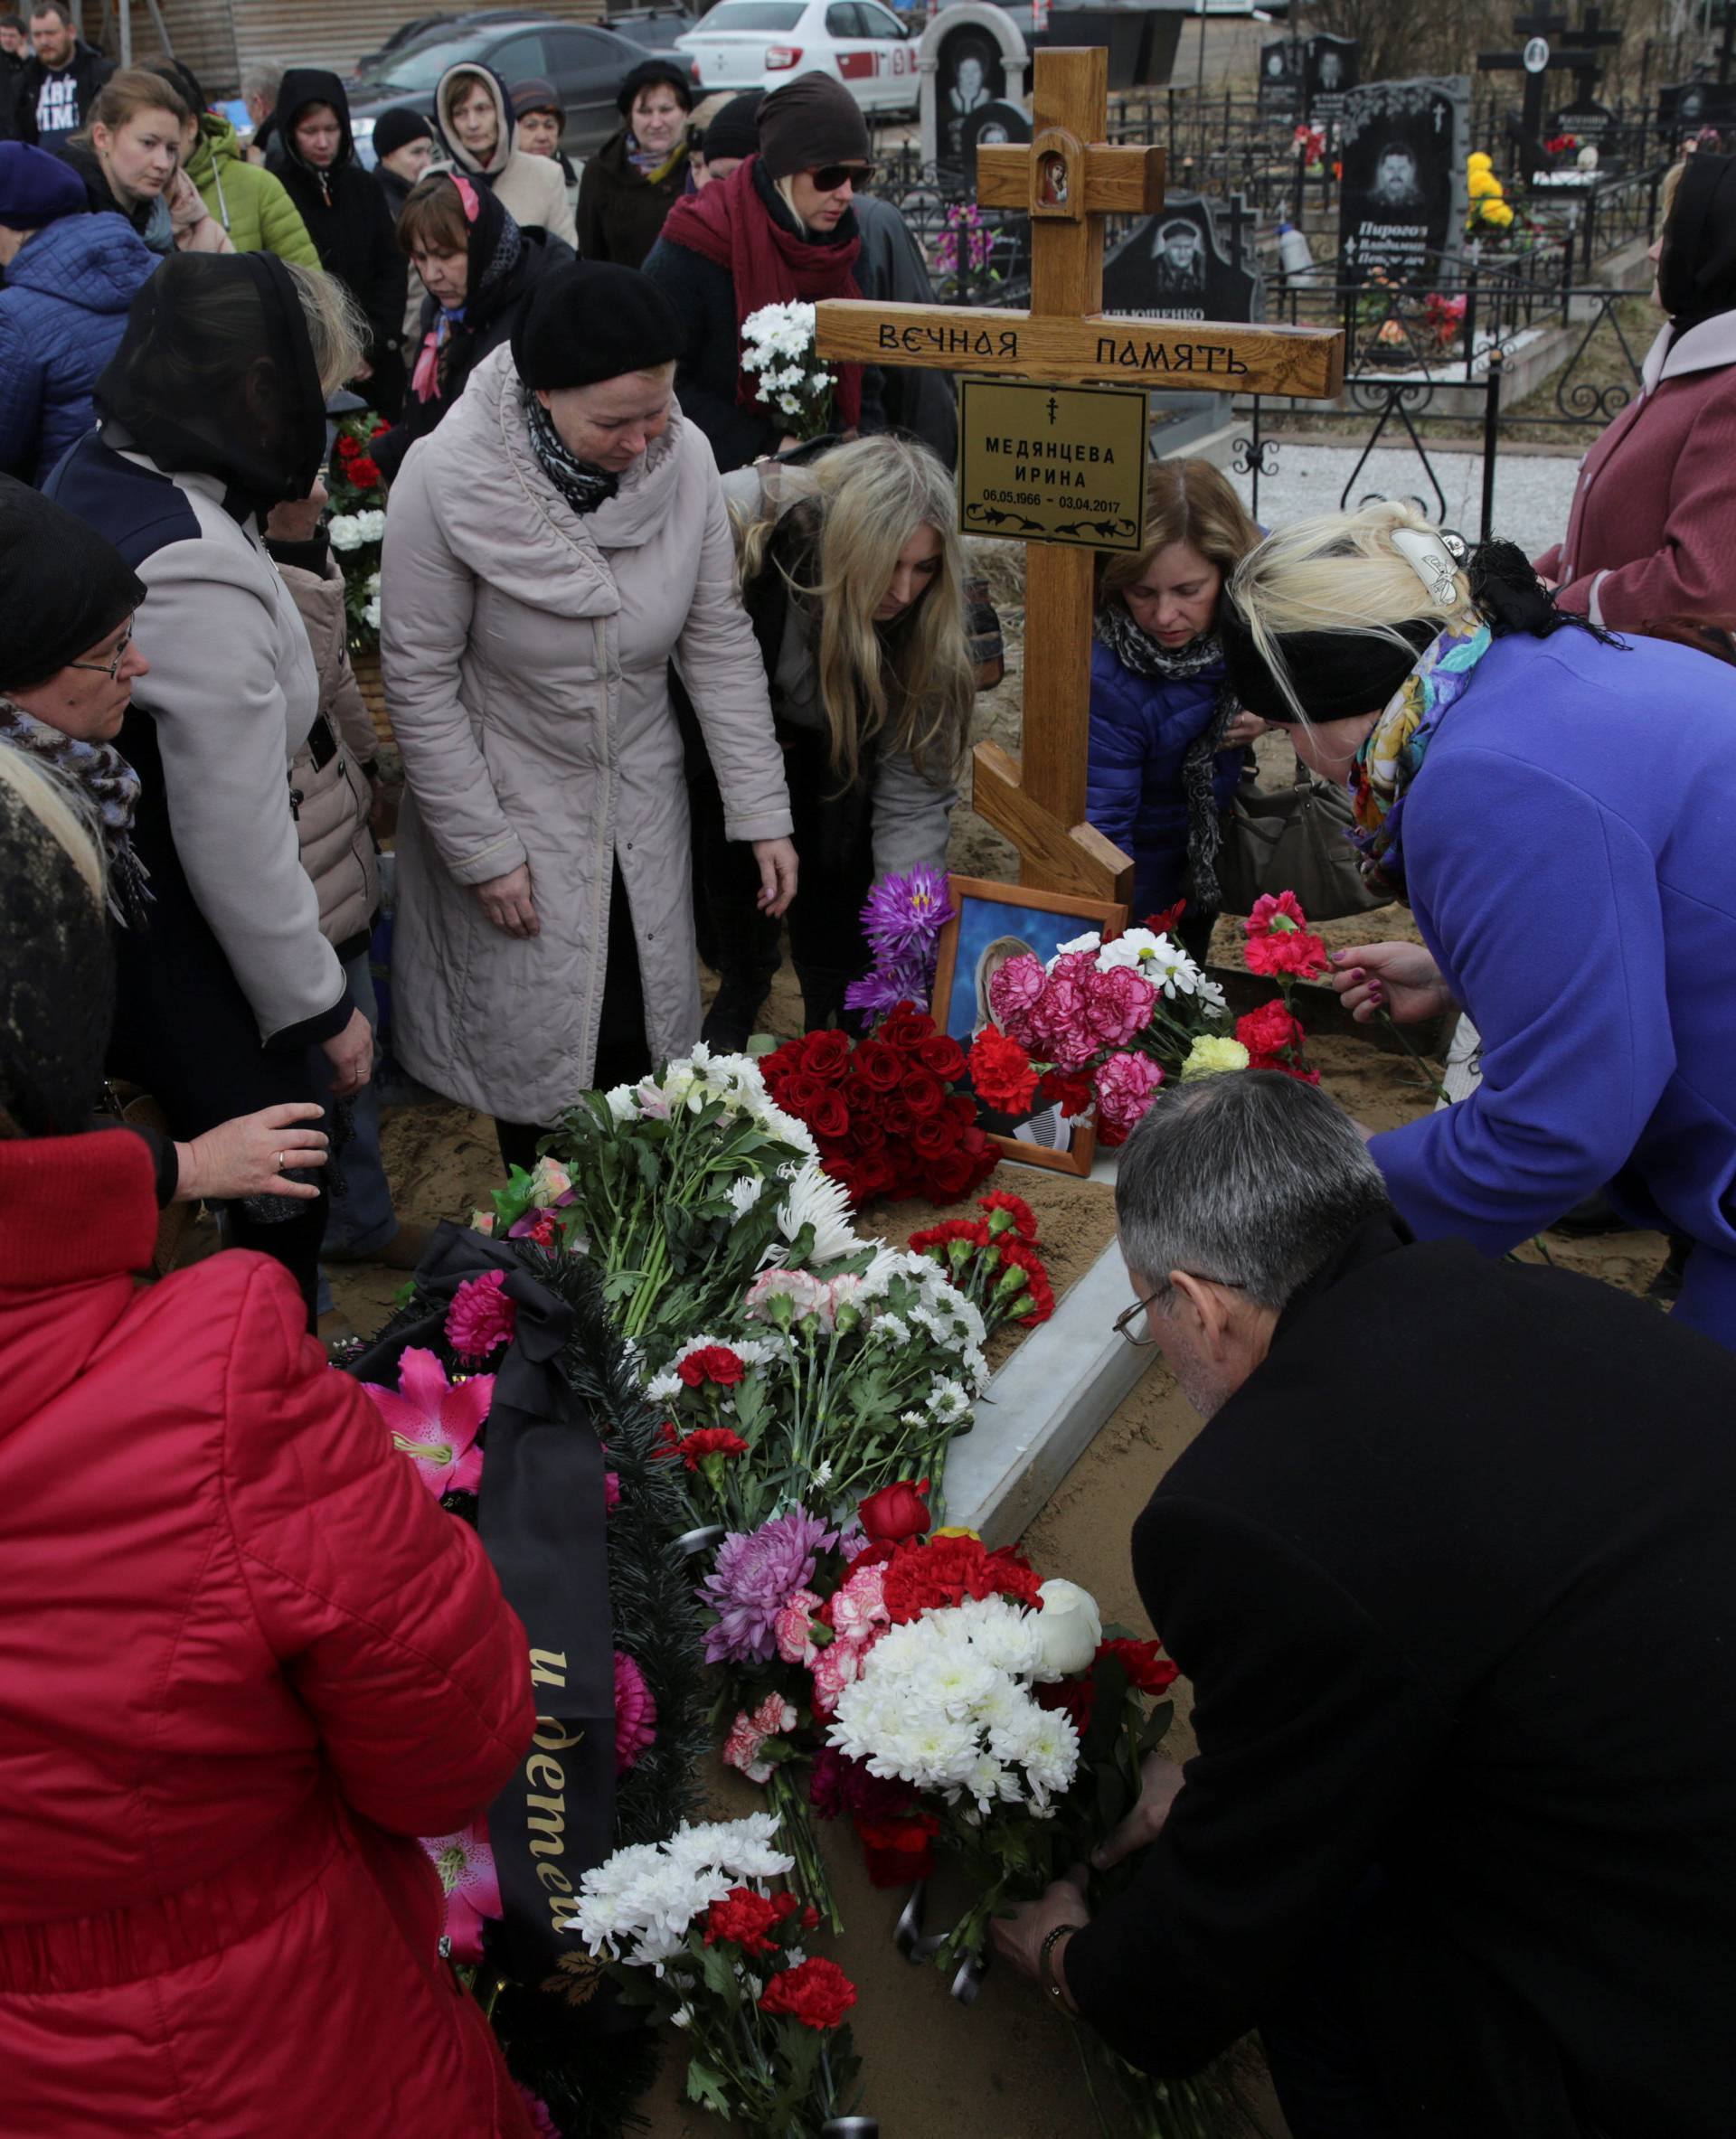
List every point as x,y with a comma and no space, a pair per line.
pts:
128,155
853,574
1168,739
1651,535
1555,806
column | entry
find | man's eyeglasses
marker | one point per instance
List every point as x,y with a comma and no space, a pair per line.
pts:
829,177
112,668
1123,1324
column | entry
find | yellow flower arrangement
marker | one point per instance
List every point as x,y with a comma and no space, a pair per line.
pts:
1484,185
1496,212
1479,160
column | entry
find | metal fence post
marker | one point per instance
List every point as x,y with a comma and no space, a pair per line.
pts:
1491,437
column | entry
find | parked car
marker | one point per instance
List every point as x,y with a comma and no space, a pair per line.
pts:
374,63
656,28
586,64
757,44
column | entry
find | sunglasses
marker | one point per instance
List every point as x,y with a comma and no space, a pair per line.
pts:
829,177
110,668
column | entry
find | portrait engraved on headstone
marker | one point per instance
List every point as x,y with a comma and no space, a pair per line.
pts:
1175,265
1403,145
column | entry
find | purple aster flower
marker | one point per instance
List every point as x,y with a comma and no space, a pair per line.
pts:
756,1572
884,988
904,915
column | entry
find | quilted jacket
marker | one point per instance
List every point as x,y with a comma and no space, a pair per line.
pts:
62,311
244,1659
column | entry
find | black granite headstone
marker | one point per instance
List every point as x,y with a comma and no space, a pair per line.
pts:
1330,68
1176,266
989,123
969,77
1403,145
1281,72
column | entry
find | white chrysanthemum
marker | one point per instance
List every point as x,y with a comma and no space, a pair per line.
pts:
890,1329
744,1193
1088,942
949,1400
816,1200
623,1102
370,614
1051,1757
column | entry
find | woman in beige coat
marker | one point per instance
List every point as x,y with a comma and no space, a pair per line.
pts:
550,548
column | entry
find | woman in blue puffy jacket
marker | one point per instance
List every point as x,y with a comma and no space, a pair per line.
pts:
70,277
1168,741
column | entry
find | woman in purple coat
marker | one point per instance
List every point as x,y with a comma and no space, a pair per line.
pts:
1651,537
1168,741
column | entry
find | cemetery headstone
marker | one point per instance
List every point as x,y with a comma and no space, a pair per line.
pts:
989,126
1176,266
1687,105
1281,69
971,60
1330,71
1403,145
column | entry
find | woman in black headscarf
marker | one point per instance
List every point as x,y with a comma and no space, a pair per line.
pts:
480,271
211,411
1651,539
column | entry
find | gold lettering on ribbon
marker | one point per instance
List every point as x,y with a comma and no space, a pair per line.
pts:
543,1671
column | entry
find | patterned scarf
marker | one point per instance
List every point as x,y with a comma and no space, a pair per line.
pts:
110,787
1117,630
1393,755
651,165
583,487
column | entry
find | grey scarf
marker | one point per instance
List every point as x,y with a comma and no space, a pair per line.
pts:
1115,629
583,487
109,787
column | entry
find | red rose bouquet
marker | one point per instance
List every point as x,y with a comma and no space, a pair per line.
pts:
357,524
884,1112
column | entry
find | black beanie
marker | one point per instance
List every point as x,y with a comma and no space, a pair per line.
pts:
397,128
1336,674
63,587
647,75
809,123
592,320
735,130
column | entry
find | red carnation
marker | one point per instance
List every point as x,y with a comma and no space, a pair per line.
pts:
1147,1668
899,1850
1039,1295
896,1511
380,429
747,1919
348,448
712,1362
364,472
1265,1031
921,1578
1024,1219
1279,940
708,1440
816,1993
1000,1072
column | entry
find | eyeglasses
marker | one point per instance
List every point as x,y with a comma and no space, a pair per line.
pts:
1123,1322
829,177
111,669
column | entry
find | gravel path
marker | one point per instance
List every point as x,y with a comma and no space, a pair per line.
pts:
1533,491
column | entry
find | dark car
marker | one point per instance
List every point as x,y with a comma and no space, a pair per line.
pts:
585,63
656,28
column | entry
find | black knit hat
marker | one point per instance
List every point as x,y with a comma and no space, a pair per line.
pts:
735,130
397,128
63,587
647,75
592,320
809,123
536,94
1336,674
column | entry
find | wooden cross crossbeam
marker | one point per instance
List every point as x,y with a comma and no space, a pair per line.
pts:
1069,179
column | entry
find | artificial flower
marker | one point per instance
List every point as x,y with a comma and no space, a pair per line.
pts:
435,1422
636,1714
465,1864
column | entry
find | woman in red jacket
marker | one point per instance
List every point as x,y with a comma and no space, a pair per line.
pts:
1651,538
244,1659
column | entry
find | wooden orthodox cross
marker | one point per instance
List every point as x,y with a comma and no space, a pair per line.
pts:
1070,178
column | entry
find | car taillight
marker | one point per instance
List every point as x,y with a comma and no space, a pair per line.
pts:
780,56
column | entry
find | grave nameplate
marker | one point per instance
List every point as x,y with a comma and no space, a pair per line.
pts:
1401,206
1053,464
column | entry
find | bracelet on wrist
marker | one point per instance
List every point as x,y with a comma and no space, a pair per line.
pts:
1051,1983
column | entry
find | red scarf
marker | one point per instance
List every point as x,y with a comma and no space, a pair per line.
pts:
729,225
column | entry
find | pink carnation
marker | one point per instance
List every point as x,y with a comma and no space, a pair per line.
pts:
860,1606
749,1733
791,1626
636,1714
1119,1004
1012,992
1125,1085
835,1668
612,1492
481,1318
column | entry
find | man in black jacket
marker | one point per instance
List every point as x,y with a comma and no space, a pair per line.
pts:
1452,1568
58,84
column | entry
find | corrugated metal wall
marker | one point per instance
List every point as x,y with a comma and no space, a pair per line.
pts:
217,38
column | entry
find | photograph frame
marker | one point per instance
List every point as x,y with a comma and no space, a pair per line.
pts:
1109,916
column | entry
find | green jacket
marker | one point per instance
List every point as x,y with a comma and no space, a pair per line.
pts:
246,199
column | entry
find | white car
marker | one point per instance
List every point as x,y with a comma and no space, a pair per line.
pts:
759,44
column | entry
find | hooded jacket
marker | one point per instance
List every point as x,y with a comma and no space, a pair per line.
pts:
345,212
526,651
246,1660
504,265
62,312
89,70
529,188
250,202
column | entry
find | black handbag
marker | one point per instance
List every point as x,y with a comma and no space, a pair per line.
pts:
1292,839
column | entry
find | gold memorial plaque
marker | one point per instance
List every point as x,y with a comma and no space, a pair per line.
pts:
1053,464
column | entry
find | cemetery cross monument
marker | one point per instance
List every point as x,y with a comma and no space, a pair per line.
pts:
1070,178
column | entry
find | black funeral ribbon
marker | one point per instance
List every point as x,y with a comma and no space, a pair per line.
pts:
542,1521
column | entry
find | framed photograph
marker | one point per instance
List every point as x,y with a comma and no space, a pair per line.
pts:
994,923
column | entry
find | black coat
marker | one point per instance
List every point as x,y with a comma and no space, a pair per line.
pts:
1454,1576
89,70
349,222
620,210
705,374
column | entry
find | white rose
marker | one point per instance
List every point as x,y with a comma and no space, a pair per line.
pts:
1069,1627
344,530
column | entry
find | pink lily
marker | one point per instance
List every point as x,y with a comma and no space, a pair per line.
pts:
465,1864
435,1422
